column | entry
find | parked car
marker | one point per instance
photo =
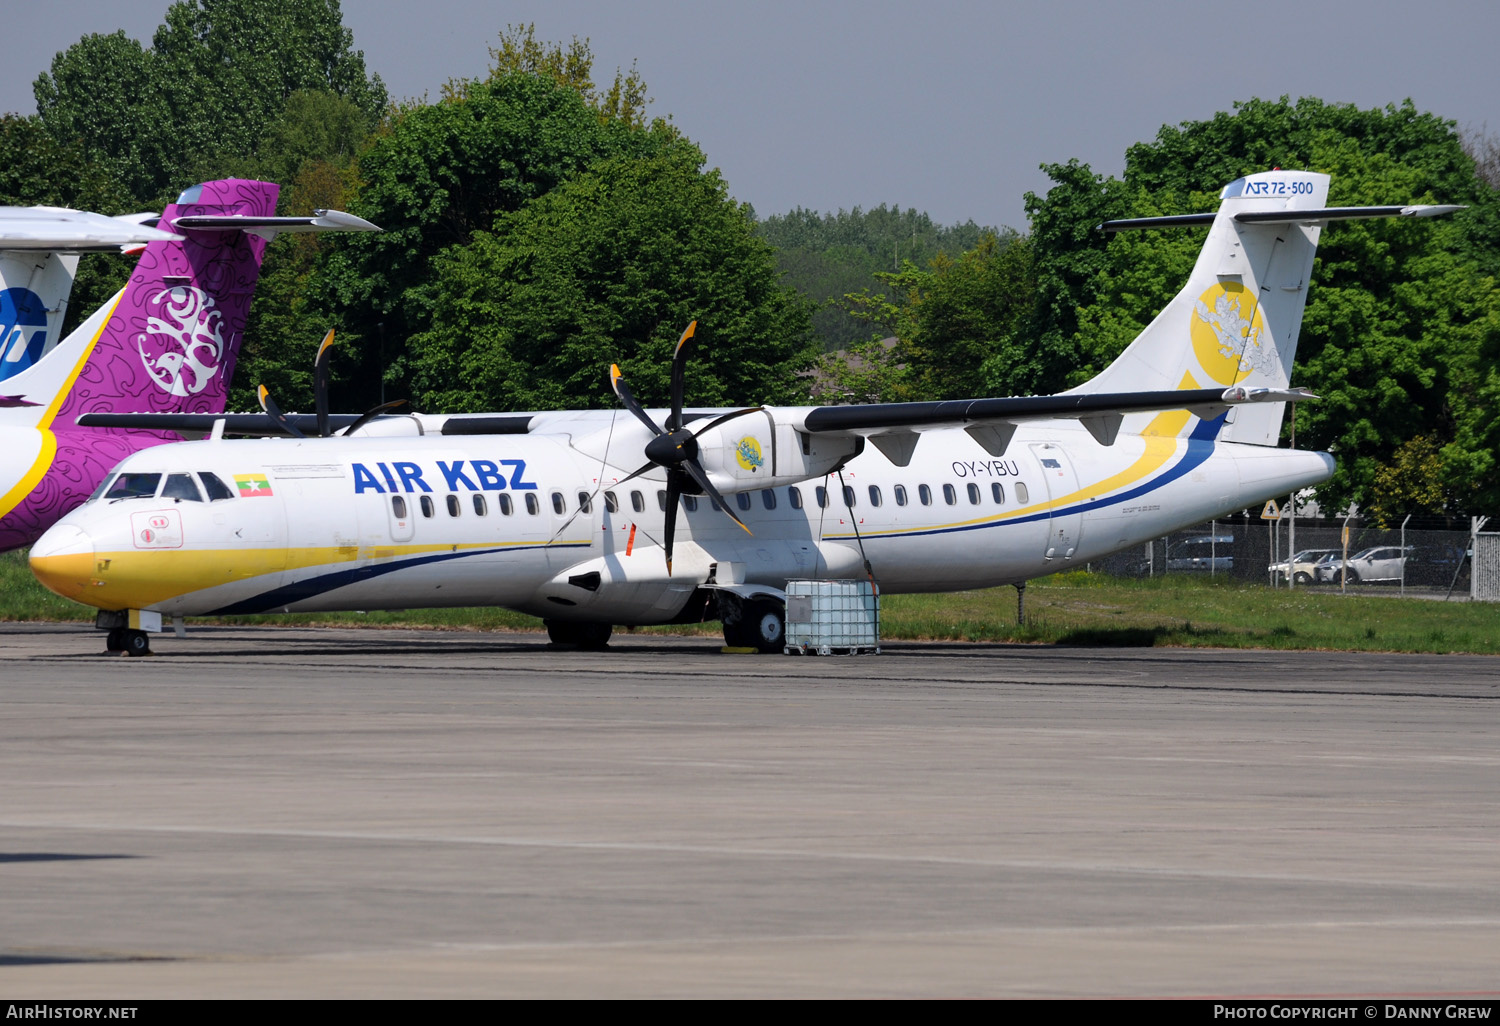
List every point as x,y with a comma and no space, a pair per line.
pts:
1201,552
1301,566
1381,563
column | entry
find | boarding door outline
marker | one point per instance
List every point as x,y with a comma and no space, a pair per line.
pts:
1064,531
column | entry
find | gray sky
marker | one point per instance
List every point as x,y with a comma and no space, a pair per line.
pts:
943,105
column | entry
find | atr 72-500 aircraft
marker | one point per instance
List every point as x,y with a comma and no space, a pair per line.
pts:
574,516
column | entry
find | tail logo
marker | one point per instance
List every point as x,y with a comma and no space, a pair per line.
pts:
1229,335
184,341
23,329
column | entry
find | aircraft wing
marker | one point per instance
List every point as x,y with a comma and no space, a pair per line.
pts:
59,230
893,427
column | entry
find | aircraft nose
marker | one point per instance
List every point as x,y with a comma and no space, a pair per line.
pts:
63,560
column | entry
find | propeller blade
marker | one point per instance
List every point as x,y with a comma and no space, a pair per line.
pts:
679,366
628,400
726,417
370,415
669,527
320,384
696,473
274,412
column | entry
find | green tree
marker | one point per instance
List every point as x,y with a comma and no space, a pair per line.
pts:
218,73
432,177
829,256
610,266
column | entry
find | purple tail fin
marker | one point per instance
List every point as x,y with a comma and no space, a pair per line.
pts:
171,343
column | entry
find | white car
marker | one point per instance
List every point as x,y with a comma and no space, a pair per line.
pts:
1381,563
1301,565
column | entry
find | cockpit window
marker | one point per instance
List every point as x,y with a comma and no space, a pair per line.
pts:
108,480
215,488
133,486
182,488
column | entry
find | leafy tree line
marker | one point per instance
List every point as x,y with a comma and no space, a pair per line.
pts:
828,256
539,227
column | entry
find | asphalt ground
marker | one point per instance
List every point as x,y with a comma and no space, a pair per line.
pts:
275,812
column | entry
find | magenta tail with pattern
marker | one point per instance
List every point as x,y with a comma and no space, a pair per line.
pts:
168,345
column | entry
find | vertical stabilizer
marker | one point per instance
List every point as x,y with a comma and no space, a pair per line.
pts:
171,341
34,288
1237,320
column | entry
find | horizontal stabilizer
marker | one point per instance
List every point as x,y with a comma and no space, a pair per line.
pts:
1321,215
59,230
270,227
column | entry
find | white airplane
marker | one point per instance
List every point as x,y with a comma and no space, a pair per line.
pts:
39,249
166,342
573,515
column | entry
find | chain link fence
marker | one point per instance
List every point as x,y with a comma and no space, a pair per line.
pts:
1442,558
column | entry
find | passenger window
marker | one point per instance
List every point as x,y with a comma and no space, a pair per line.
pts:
453,506
874,495
611,503
950,495
585,503
533,504
973,494
1022,496
215,488
133,486
849,496
714,503
690,503
425,502
398,507
900,495
638,502
506,506
181,487
998,492
559,504
822,497
481,508
768,498
661,499
742,500
925,494
794,495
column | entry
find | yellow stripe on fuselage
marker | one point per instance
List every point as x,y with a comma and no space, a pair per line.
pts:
142,578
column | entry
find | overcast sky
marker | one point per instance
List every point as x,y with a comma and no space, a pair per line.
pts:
948,106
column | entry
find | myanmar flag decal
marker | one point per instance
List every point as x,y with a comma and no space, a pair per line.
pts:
252,485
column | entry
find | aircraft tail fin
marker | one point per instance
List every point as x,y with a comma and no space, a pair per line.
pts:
1237,320
34,289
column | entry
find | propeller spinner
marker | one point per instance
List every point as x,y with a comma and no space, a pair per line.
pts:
674,447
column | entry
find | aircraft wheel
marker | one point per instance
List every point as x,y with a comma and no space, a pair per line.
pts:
577,634
136,643
114,641
1303,577
764,624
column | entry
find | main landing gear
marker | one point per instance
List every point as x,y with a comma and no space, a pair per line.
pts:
577,634
754,623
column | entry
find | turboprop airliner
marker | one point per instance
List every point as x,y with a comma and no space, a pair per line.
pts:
165,343
591,519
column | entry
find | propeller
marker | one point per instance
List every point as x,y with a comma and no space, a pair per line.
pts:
674,447
320,400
